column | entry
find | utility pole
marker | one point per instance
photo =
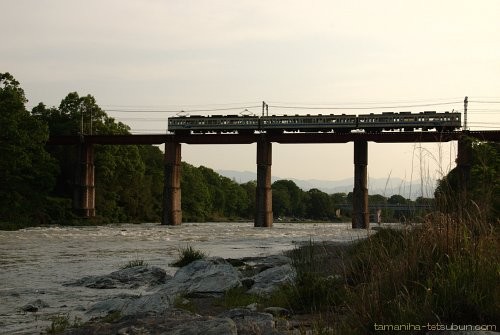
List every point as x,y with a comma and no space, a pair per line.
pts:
466,102
81,121
265,109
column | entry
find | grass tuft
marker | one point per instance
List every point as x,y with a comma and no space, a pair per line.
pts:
187,255
61,322
134,263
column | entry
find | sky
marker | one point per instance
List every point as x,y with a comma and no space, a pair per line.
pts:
136,56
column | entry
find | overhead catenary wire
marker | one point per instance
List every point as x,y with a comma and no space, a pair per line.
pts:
484,102
364,107
181,110
278,106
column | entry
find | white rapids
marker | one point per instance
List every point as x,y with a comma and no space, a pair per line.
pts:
35,262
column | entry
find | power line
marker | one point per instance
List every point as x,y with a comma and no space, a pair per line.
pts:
180,107
182,111
366,107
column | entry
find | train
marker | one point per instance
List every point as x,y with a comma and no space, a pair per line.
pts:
341,123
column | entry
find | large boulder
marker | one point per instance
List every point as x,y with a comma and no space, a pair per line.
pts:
211,276
108,306
151,304
269,280
132,277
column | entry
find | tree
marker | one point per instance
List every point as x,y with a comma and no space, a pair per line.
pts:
128,190
288,199
250,190
282,205
27,171
320,205
339,198
396,199
196,200
483,190
377,199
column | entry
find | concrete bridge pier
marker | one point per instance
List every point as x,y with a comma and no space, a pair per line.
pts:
84,191
172,213
263,194
464,161
360,213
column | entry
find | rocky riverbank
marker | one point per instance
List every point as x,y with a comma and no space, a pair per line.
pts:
190,301
233,296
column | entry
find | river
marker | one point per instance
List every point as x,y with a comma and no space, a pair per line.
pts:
34,262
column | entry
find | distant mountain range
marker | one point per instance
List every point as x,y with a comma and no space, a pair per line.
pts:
383,186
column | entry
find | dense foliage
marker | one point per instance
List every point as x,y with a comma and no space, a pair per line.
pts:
27,171
483,186
129,178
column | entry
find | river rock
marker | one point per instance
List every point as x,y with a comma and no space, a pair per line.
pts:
34,306
277,311
269,280
274,261
250,322
108,306
132,277
211,276
254,265
215,326
151,304
202,277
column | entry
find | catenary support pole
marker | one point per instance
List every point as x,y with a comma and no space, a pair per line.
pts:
360,213
172,213
263,194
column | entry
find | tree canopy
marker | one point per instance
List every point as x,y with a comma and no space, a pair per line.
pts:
27,172
483,188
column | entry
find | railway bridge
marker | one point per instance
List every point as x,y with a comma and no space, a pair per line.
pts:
84,195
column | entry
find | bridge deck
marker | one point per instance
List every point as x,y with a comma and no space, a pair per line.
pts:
384,137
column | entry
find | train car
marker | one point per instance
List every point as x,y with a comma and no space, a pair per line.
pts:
248,124
308,123
213,124
408,121
447,121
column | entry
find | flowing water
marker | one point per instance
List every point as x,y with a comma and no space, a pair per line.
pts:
35,262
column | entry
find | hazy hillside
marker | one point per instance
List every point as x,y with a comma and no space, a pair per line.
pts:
384,186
